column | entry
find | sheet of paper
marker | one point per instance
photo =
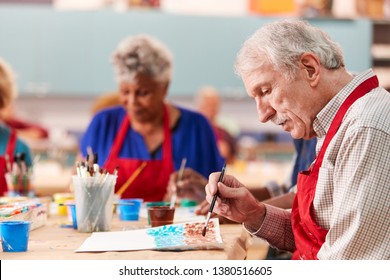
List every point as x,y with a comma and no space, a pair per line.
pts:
183,236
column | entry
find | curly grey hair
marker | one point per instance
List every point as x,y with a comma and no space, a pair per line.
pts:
283,43
142,54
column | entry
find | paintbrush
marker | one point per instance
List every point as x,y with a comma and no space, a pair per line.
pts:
213,201
179,177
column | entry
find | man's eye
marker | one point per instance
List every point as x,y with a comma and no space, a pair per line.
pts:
265,91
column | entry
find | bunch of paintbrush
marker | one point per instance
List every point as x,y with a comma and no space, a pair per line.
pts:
94,192
18,176
94,201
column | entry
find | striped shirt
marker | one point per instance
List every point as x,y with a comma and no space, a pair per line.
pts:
352,198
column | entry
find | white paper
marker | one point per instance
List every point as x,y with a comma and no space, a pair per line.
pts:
170,237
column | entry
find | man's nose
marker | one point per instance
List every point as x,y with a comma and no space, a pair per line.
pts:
265,111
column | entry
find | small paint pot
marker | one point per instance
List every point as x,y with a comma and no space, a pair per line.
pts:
71,208
14,235
188,202
129,209
60,199
161,215
156,203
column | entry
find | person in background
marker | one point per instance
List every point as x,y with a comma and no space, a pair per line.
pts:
25,130
10,145
208,103
145,134
296,75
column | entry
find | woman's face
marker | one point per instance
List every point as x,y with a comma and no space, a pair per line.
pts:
143,99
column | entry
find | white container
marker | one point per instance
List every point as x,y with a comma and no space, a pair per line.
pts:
94,202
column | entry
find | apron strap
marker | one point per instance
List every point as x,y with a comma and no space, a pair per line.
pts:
11,146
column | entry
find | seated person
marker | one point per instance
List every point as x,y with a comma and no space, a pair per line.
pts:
10,145
145,131
296,75
208,103
25,129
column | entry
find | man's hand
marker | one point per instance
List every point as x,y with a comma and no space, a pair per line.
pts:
234,201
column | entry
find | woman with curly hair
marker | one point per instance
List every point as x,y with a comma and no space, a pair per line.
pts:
146,134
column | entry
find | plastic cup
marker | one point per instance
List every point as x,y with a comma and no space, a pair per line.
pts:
94,202
14,235
156,203
71,208
129,209
161,215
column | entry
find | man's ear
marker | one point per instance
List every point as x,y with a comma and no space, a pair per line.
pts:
311,67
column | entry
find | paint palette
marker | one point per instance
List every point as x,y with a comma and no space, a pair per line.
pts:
177,237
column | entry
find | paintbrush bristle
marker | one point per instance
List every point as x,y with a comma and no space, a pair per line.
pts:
204,231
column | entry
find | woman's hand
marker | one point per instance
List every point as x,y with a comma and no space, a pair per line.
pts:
190,186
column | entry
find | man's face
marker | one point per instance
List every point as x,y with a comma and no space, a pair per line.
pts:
143,99
291,104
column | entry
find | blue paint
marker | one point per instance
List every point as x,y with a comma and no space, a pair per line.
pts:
168,236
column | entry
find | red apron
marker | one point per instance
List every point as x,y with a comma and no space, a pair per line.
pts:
9,150
151,183
308,235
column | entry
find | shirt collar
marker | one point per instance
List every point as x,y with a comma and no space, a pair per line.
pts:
325,117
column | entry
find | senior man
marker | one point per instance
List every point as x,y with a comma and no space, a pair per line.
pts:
296,75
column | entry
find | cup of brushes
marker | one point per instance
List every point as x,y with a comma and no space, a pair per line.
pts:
94,194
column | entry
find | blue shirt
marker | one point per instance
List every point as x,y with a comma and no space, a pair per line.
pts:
20,147
305,155
192,138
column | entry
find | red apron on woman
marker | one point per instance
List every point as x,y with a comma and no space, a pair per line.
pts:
151,183
9,150
308,235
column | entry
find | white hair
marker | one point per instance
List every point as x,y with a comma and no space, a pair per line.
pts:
142,54
283,43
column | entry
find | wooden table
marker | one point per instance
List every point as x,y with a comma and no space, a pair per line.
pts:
53,242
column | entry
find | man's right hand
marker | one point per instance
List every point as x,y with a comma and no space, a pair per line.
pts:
234,201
